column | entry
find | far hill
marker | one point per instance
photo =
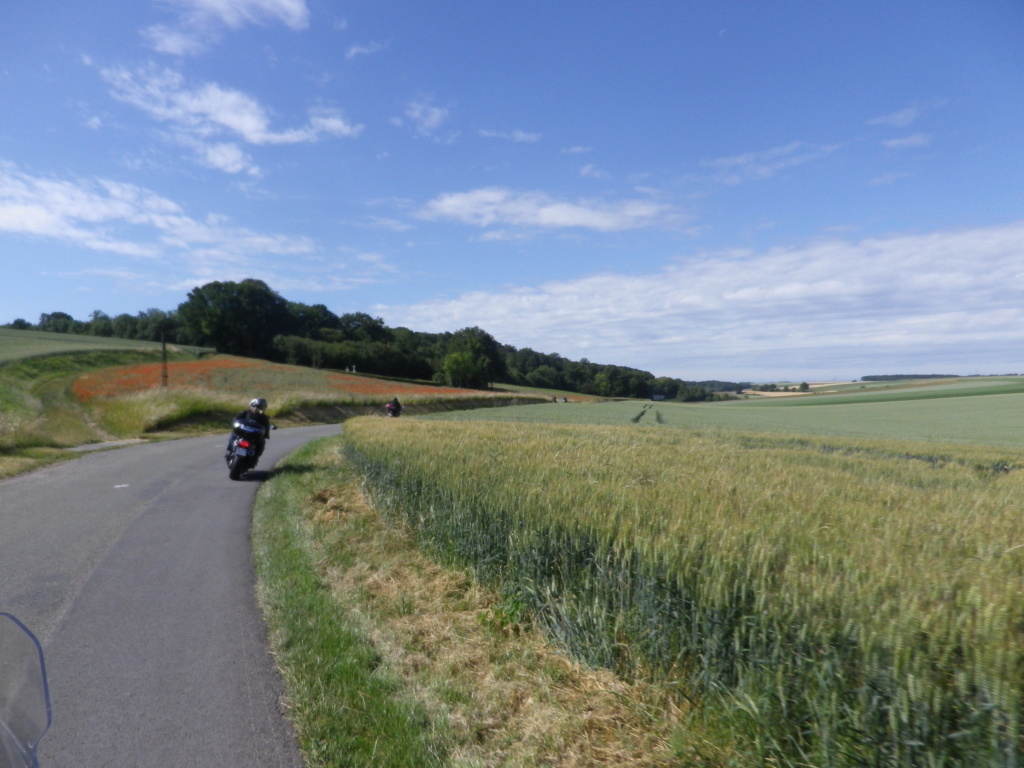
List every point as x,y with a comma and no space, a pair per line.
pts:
17,344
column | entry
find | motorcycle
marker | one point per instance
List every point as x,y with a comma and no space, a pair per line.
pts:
24,695
246,435
393,410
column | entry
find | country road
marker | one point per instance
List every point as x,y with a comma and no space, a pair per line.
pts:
133,567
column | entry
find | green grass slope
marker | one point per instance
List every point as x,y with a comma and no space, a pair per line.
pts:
19,345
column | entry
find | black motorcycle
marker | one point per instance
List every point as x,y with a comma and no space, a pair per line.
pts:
246,436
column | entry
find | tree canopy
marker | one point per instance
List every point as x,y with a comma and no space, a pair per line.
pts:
237,318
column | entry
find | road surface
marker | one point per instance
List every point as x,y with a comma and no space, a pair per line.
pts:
133,567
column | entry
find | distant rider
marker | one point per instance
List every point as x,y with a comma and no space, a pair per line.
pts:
394,407
255,412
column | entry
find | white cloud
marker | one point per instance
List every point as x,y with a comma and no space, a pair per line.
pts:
209,109
199,114
227,157
501,235
426,117
328,121
377,262
363,50
498,206
237,13
899,119
394,225
915,140
592,172
889,178
200,21
516,136
755,166
176,42
124,219
838,307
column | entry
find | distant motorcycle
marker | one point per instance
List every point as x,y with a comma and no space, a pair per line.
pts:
246,436
393,410
24,695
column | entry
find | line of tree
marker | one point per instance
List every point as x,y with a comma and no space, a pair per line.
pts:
250,319
803,387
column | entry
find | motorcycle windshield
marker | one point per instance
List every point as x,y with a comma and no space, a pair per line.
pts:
24,694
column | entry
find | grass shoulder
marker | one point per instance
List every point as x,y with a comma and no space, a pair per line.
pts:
428,667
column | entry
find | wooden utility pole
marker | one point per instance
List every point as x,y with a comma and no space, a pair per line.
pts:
163,357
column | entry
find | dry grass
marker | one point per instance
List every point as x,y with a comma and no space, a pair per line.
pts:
508,697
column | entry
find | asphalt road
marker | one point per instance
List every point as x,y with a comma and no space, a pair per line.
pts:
134,568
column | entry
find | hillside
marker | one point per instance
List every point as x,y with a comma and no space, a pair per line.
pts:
58,391
21,344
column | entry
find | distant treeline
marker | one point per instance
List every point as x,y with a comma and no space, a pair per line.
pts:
248,318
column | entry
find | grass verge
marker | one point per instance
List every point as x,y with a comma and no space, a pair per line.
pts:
391,659
346,707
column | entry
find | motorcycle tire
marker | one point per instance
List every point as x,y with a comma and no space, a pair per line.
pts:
235,468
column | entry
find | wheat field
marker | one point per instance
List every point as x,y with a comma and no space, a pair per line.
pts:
827,601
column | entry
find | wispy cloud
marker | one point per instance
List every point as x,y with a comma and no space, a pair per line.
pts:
224,156
363,50
209,109
176,42
888,178
900,119
915,140
238,13
516,136
840,307
755,166
125,219
200,21
425,116
204,112
492,206
149,241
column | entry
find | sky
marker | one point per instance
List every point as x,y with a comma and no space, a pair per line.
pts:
707,189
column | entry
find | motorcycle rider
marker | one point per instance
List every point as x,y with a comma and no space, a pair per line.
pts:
394,407
255,412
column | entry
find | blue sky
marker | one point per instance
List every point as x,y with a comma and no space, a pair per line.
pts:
718,189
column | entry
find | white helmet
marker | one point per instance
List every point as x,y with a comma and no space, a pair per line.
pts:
259,403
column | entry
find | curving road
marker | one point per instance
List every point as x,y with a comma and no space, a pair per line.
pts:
133,567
